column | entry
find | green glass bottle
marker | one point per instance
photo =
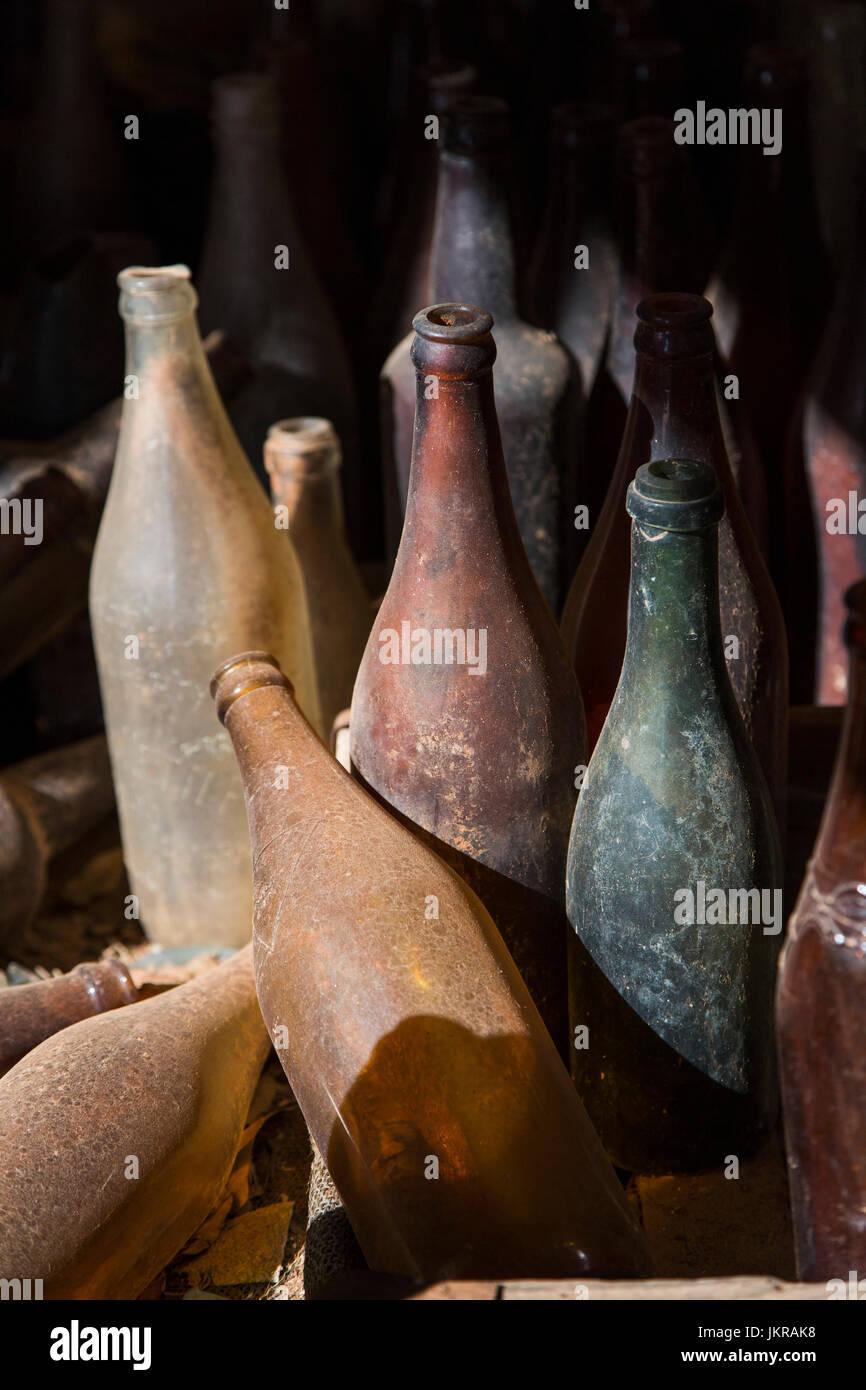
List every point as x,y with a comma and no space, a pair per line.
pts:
674,867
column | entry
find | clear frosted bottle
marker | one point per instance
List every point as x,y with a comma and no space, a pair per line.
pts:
188,567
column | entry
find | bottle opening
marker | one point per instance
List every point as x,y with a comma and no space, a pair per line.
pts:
453,323
676,495
241,674
676,310
156,294
305,445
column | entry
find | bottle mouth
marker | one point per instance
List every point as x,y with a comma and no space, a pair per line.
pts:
245,99
241,674
156,294
673,325
453,323
676,495
305,445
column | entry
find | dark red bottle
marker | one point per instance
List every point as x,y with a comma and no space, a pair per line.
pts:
821,1010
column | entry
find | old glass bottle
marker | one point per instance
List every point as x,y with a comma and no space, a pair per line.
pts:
408,1037
537,388
674,866
118,1134
303,460
466,718
769,292
31,1013
573,269
187,565
258,283
821,1006
674,413
46,804
830,435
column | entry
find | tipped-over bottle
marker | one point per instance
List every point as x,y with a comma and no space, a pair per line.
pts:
429,1084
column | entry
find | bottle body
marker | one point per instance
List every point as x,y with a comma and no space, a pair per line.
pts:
673,843
186,564
167,1081
406,1033
820,1002
465,717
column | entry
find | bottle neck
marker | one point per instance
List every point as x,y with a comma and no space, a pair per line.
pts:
674,412
458,485
839,851
252,209
312,501
673,615
472,258
275,747
157,348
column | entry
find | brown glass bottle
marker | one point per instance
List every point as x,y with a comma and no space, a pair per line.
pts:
46,804
257,282
769,292
475,742
303,460
31,1013
537,388
404,1028
829,435
821,1009
117,1135
674,414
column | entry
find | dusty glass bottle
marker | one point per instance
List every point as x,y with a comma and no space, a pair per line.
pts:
830,436
769,292
187,564
466,718
674,413
117,1135
257,282
303,460
31,1013
537,387
46,804
821,1008
674,866
408,1037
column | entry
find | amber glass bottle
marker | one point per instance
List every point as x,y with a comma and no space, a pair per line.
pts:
822,1009
117,1135
674,413
466,718
303,460
429,1084
31,1013
674,866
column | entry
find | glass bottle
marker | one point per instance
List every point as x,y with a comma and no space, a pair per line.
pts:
537,387
303,460
31,1013
821,1013
187,564
258,283
674,413
428,1082
476,740
117,1135
674,866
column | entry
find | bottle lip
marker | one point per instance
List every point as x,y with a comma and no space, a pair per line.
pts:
241,674
674,325
676,495
156,294
303,446
245,100
452,323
